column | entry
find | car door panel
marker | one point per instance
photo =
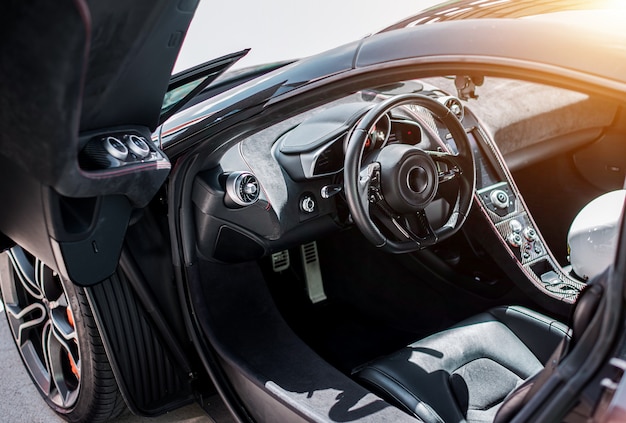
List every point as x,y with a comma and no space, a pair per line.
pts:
94,76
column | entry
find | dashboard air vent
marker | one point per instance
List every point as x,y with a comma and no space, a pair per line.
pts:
455,106
242,188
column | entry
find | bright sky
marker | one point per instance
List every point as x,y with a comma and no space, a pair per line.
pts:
283,29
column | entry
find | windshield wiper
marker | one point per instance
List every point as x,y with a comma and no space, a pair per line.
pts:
185,85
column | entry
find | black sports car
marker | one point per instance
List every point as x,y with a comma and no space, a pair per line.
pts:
375,233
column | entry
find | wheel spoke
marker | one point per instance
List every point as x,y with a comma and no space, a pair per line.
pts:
46,334
58,352
25,272
49,283
23,319
31,351
63,327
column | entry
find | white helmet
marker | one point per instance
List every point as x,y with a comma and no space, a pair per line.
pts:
592,238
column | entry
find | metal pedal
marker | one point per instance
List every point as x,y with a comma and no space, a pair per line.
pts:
280,261
312,272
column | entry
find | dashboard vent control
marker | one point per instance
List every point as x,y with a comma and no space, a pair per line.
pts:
454,105
116,148
137,145
242,188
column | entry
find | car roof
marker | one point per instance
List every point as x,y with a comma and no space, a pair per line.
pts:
497,9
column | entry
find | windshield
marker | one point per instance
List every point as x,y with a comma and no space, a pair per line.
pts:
275,30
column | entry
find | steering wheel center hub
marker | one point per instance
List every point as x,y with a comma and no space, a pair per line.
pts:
409,179
417,179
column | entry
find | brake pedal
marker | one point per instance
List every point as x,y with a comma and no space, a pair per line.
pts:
312,272
280,261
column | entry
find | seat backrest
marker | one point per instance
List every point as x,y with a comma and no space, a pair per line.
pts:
586,307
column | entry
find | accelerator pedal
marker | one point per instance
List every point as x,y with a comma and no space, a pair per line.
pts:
280,261
312,272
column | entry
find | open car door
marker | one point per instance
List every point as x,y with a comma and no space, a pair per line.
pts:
82,87
82,84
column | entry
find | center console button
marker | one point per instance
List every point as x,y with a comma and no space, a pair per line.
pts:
515,226
530,234
515,240
499,198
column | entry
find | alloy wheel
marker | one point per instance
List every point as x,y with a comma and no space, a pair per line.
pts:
41,320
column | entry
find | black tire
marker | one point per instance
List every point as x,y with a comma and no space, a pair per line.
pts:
54,330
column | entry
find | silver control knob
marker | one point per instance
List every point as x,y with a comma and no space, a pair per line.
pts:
499,198
515,226
515,240
307,204
530,234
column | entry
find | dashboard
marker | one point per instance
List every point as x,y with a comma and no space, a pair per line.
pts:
283,186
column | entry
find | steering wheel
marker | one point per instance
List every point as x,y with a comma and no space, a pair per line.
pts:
396,183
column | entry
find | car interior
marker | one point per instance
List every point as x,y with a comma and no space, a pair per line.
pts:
310,291
382,235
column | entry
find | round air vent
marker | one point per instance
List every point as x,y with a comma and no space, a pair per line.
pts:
115,148
242,188
137,145
455,106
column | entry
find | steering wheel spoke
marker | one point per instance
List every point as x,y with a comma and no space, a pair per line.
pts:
447,166
419,221
369,184
418,225
414,227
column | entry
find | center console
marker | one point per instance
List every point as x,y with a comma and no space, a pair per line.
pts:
500,202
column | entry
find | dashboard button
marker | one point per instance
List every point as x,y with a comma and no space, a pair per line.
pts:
530,234
499,198
515,226
307,204
515,240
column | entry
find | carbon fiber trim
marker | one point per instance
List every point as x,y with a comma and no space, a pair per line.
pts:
533,257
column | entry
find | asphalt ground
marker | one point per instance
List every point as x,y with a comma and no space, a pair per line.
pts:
21,403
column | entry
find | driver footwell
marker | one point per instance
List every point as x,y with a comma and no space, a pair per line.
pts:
276,375
374,303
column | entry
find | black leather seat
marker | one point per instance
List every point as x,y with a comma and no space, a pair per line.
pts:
465,372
